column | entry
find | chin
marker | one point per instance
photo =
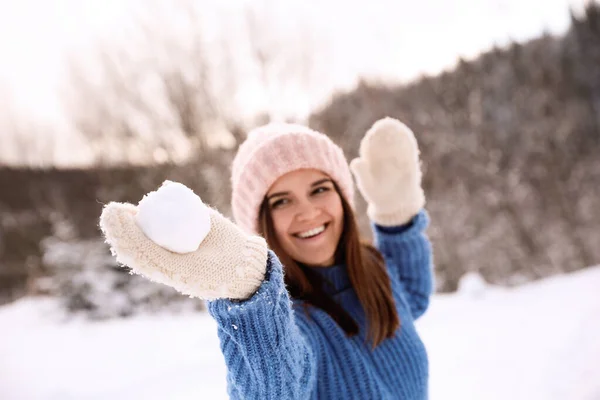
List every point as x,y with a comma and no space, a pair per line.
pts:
326,261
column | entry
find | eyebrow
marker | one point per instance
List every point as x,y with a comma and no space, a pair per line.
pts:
316,183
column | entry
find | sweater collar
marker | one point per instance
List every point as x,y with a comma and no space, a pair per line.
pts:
335,278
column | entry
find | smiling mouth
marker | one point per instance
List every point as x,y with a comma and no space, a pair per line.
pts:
312,232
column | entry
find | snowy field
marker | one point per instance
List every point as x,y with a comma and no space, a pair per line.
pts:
539,341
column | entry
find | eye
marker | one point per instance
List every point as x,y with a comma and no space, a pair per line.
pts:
321,189
278,203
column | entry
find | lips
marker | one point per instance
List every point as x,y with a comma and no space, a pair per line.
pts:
311,233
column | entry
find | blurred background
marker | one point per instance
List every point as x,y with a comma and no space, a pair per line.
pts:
102,101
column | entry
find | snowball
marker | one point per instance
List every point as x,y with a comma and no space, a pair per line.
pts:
174,217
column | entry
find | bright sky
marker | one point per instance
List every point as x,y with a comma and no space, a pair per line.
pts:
35,35
389,39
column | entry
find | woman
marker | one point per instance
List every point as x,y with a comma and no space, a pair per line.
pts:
339,323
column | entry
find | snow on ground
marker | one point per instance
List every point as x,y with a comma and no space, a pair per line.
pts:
538,341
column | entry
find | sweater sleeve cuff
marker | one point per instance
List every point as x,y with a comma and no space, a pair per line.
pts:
394,229
417,224
272,288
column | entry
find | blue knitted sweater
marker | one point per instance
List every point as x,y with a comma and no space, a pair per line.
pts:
273,350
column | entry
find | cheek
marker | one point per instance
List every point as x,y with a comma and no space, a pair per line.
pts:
339,211
335,209
281,224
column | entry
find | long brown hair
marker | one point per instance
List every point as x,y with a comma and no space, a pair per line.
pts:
366,270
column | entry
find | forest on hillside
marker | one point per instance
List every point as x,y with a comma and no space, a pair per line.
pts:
510,145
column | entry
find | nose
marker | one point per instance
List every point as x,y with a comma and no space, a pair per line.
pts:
306,211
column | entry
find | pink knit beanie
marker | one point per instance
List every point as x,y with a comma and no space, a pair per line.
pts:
272,151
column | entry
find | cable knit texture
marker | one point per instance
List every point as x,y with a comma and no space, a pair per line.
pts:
227,264
388,173
275,350
270,152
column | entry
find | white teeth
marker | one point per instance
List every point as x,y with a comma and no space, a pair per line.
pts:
312,232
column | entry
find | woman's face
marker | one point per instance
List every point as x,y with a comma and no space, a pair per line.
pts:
307,215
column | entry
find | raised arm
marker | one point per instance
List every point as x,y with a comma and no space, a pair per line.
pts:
266,355
388,175
408,254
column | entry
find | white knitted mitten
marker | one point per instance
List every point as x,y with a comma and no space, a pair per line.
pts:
228,263
388,173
